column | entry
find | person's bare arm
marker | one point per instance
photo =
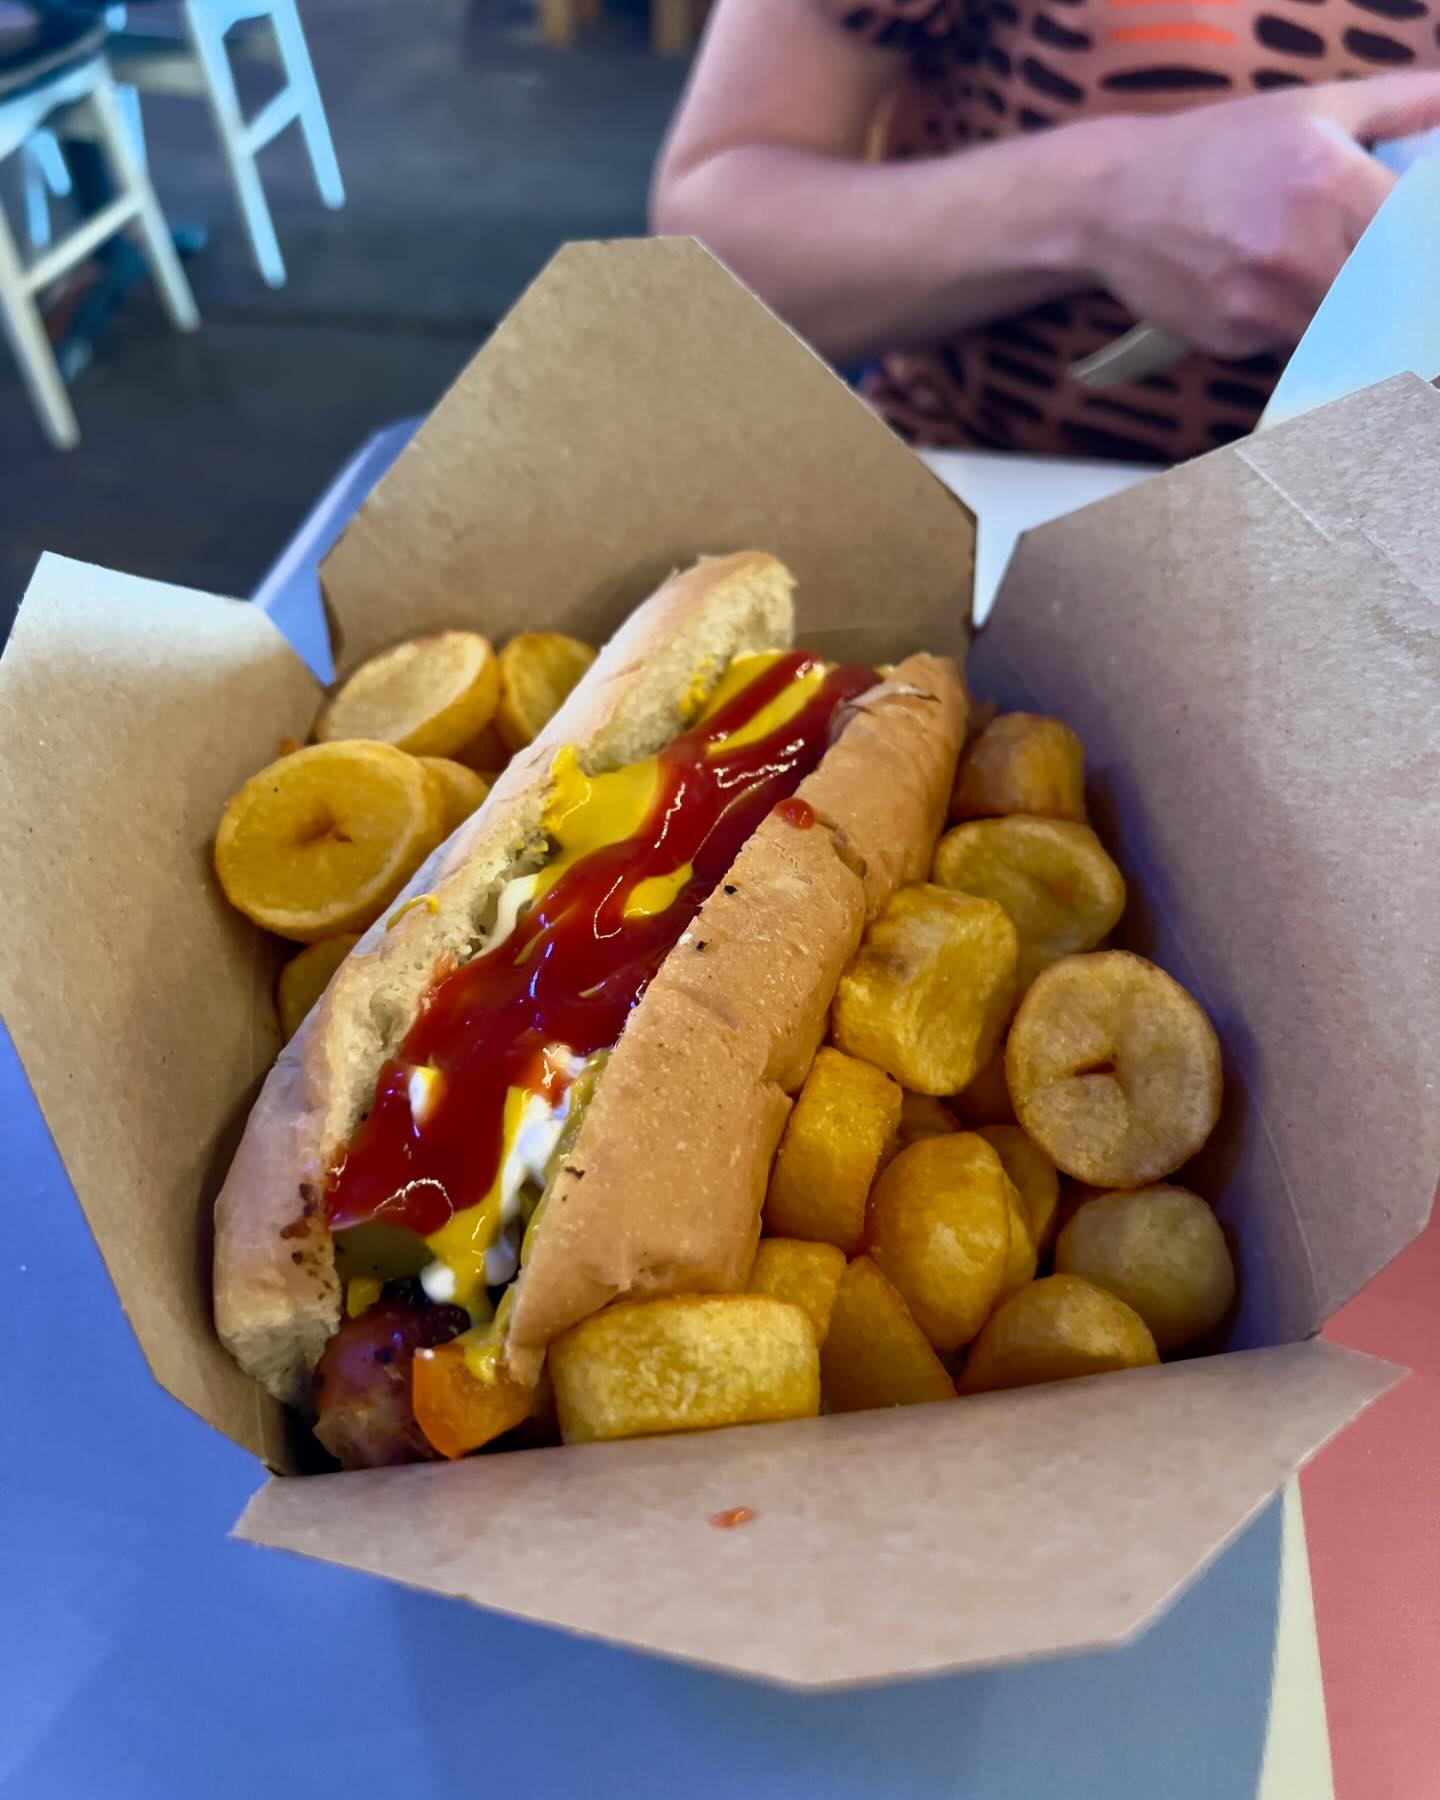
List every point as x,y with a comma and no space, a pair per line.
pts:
764,162
1223,224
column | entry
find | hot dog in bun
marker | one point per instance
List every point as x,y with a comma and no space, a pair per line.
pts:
556,1074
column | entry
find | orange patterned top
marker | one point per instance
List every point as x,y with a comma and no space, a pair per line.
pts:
982,70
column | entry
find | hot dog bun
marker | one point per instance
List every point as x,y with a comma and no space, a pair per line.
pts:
663,1190
663,1187
277,1297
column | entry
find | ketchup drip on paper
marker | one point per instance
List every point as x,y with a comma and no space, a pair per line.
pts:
731,1517
575,964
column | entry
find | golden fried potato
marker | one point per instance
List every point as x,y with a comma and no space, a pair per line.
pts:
834,1139
1052,877
931,989
537,670
429,696
689,1363
321,841
461,788
457,1411
485,753
939,1228
874,1353
1021,763
1114,1070
1052,1330
1022,1259
985,1099
1073,1195
805,1275
922,1116
306,976
1161,1251
1034,1177
541,1429
983,714
542,1410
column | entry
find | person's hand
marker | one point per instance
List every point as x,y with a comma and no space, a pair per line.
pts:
1226,225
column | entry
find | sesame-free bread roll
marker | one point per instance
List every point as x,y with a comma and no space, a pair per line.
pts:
663,1189
277,1296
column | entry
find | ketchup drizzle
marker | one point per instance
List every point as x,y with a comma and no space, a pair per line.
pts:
574,965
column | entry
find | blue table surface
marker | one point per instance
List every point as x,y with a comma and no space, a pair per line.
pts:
144,1653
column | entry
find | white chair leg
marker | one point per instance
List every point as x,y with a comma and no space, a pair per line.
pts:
154,233
36,195
52,161
43,173
300,71
207,39
129,98
26,332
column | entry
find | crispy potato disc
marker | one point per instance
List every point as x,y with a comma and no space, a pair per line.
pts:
921,1116
485,753
836,1135
321,841
931,989
1114,1070
306,976
1034,1176
939,1227
463,790
688,1363
805,1275
985,1099
1022,1258
1021,763
1053,1330
874,1352
1161,1251
1073,1195
430,696
537,670
1053,877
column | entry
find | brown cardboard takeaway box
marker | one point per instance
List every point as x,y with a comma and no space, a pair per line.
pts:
1249,648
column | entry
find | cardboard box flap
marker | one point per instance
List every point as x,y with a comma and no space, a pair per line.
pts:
140,1005
637,407
1371,492
1048,1519
1250,647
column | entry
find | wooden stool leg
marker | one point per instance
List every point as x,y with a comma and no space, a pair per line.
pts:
26,332
207,40
672,25
300,71
557,22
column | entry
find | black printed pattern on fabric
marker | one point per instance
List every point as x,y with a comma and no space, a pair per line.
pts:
981,71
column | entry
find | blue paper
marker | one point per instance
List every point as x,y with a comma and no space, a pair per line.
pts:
1381,317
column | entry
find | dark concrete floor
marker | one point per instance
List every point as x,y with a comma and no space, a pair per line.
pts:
470,151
